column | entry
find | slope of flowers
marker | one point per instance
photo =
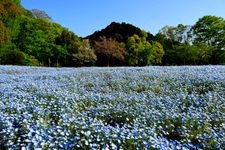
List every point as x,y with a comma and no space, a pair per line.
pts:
112,108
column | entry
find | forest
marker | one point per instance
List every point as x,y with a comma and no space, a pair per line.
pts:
31,38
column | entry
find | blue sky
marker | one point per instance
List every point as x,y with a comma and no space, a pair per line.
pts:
86,16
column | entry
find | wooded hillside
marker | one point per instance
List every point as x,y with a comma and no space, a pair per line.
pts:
29,37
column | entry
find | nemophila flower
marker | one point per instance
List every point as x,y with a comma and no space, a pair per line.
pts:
101,108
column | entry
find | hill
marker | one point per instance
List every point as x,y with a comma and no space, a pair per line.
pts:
119,31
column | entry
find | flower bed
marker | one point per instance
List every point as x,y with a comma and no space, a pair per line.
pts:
112,108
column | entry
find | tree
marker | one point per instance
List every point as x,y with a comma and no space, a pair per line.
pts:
167,45
190,54
119,32
204,53
156,54
4,35
34,41
52,53
137,50
172,38
17,2
58,55
180,54
40,14
9,54
29,37
182,33
69,43
211,30
168,32
12,9
30,60
85,54
178,34
109,51
140,52
37,37
3,12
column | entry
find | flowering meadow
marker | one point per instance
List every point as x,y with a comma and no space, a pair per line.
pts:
112,108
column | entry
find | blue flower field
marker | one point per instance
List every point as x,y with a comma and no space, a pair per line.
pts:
128,108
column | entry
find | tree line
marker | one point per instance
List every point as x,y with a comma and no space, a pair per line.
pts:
30,37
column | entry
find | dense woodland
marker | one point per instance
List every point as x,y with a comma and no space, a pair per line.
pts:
30,37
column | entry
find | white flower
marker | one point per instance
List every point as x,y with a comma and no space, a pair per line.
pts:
113,146
88,133
23,148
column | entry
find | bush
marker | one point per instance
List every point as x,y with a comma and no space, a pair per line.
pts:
9,54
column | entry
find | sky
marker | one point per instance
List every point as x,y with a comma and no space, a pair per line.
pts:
84,17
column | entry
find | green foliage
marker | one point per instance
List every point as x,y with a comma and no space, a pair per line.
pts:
204,53
182,53
117,118
172,128
176,129
3,12
211,30
32,40
137,48
17,2
85,54
9,54
132,144
13,26
37,37
140,52
207,29
157,53
38,41
30,61
69,44
9,9
180,48
4,35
